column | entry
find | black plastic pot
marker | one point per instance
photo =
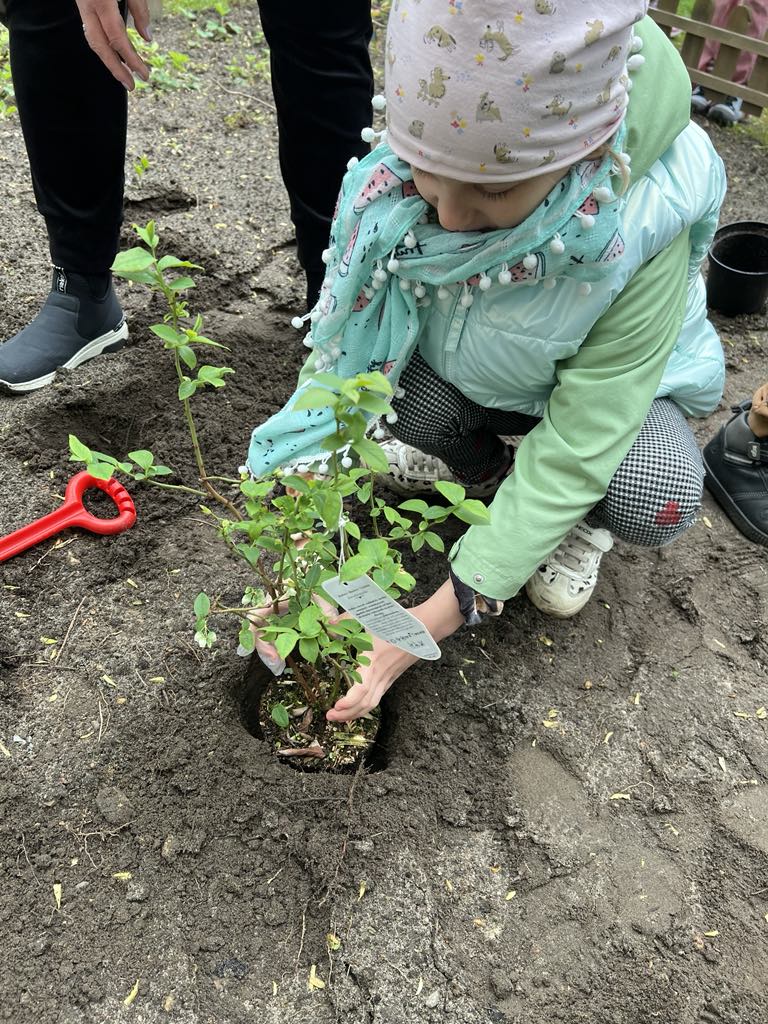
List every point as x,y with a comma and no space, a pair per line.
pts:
737,281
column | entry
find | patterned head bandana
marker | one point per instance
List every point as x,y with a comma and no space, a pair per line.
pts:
499,91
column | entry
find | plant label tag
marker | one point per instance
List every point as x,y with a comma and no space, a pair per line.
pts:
383,616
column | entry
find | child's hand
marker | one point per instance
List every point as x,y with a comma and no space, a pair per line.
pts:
440,614
387,664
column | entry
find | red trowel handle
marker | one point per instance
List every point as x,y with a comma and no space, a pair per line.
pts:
74,513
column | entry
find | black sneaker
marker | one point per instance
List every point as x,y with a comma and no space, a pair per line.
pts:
736,464
726,113
73,326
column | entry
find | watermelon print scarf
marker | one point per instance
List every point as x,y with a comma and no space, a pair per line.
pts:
387,257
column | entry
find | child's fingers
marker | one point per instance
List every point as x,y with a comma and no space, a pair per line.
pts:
356,702
269,656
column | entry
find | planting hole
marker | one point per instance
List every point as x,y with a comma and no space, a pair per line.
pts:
254,715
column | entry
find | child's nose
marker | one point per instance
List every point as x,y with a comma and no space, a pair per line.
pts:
455,215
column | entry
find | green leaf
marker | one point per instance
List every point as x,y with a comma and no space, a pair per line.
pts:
375,381
371,454
417,542
357,565
132,260
434,541
147,234
473,512
167,262
159,471
453,492
285,642
80,453
328,504
187,388
310,649
181,284
167,333
279,715
101,470
142,458
202,605
374,405
187,356
315,398
308,620
377,550
414,505
246,639
352,529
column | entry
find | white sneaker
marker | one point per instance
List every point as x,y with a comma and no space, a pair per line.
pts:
564,582
414,472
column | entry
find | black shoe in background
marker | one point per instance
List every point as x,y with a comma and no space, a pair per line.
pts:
736,463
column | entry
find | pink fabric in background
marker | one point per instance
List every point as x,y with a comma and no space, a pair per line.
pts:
759,11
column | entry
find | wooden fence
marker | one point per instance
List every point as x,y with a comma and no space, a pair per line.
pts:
734,39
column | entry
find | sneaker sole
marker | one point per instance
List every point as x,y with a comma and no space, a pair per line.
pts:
555,613
112,341
731,509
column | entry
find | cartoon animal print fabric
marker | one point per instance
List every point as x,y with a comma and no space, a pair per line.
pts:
498,91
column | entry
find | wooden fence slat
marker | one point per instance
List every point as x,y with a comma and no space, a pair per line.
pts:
693,45
720,35
734,40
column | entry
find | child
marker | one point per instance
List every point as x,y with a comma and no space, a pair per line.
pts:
524,259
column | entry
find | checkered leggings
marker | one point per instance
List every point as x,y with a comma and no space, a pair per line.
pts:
652,499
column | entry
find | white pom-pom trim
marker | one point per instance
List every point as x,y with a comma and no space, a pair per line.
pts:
410,240
549,282
442,293
404,284
484,283
391,417
393,265
419,291
530,262
346,462
352,162
557,246
585,288
636,44
505,277
368,134
379,102
379,433
635,61
603,194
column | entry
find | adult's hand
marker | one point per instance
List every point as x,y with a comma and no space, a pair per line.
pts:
439,613
106,35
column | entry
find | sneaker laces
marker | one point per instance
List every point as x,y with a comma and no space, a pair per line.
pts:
578,554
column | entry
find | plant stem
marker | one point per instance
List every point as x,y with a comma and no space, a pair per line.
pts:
176,487
210,489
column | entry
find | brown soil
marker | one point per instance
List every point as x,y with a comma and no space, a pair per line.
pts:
603,864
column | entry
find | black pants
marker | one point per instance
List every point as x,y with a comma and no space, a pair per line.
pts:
74,116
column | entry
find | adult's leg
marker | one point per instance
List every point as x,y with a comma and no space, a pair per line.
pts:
74,116
323,84
656,492
759,12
